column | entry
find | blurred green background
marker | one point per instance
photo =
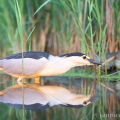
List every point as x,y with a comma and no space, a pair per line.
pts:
59,26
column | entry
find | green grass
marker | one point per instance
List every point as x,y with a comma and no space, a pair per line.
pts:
74,25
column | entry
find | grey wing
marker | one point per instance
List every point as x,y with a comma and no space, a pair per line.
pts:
26,66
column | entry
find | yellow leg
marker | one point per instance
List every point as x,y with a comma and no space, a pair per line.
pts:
37,80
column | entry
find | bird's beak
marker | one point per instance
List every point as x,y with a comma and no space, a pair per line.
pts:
94,61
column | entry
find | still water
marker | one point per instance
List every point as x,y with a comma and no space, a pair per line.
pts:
105,105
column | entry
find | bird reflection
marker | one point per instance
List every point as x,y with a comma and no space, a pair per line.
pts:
42,97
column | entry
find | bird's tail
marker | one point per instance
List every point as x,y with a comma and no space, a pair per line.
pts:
1,68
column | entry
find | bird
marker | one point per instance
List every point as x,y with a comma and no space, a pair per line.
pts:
35,64
41,97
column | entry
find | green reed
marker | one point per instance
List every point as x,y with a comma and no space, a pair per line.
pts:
64,28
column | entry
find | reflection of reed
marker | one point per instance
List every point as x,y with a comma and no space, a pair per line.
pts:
111,108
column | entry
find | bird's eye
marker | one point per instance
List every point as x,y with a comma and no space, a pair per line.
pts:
84,57
84,102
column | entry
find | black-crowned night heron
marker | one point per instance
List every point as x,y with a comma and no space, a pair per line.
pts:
42,97
35,64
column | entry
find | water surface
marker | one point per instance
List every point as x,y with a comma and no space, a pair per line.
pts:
106,105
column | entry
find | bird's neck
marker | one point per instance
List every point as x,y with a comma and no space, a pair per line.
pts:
64,62
57,65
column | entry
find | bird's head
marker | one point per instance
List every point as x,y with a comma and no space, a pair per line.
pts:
80,59
88,61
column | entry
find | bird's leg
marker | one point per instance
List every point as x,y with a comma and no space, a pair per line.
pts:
19,81
37,80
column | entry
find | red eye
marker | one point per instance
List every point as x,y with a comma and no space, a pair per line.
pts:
84,57
84,102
